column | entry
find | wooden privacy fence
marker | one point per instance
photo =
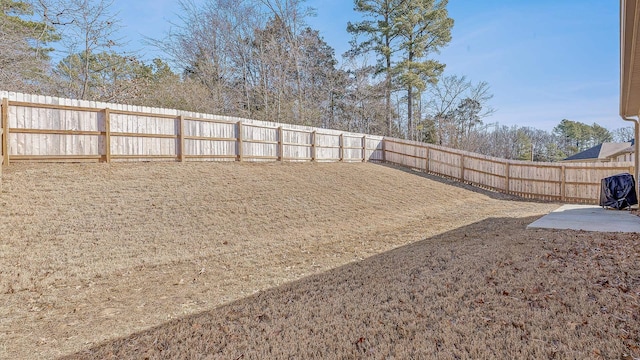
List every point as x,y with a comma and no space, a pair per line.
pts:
53,129
39,128
565,182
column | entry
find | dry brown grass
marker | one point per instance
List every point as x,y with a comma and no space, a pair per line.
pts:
505,294
95,252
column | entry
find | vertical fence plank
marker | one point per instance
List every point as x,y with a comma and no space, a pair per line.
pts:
313,146
239,141
280,144
563,182
364,148
426,158
507,180
5,130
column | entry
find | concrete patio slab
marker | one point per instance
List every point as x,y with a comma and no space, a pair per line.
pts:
589,218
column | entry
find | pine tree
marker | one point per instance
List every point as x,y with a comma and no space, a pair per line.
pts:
378,29
408,30
423,27
23,39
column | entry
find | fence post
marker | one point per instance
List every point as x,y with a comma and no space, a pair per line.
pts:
280,144
563,182
107,135
181,138
364,148
239,141
384,150
5,130
462,167
341,147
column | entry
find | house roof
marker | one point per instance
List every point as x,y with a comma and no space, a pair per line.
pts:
600,151
589,154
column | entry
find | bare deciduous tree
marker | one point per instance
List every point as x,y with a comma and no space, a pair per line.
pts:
456,106
89,27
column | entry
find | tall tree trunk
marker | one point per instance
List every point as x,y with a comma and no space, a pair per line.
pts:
410,112
387,94
245,80
85,80
410,58
387,43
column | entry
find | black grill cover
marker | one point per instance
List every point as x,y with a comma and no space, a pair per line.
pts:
618,191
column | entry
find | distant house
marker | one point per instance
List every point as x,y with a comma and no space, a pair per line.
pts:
625,154
605,152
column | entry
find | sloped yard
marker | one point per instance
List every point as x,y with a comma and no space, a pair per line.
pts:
195,256
485,291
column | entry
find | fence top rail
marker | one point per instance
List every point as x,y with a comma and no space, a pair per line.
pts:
304,131
354,135
54,131
53,106
144,114
618,167
90,109
268,127
215,121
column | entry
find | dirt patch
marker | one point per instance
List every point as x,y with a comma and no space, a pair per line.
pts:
93,252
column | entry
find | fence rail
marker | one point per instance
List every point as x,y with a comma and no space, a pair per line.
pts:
39,128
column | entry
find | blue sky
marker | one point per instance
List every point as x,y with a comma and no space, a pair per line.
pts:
545,60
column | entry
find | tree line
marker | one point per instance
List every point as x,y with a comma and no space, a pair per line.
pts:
259,59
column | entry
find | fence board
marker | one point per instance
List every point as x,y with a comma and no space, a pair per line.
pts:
42,128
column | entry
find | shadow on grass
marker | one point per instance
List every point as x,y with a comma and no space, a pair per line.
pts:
487,290
462,185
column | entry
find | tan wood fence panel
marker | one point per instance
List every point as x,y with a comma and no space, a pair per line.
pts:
209,141
41,128
327,147
583,180
567,182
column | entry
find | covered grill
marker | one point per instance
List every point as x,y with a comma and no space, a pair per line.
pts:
618,191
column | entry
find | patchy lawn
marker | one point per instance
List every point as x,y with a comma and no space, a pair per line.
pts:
271,260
